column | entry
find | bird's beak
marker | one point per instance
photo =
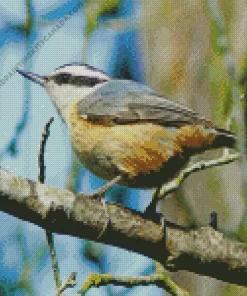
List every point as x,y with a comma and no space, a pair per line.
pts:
33,77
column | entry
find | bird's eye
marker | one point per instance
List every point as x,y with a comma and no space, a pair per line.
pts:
62,78
76,80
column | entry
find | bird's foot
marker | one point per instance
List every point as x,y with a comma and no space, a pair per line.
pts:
100,198
107,216
153,215
157,217
99,195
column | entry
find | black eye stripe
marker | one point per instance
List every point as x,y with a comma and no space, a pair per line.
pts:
62,78
66,78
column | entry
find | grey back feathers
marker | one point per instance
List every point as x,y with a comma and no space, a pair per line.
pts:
124,101
121,87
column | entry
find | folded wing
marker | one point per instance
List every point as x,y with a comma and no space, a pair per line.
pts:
124,102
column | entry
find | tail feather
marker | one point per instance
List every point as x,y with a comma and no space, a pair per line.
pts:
224,138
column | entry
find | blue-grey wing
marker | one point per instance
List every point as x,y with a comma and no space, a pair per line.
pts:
123,102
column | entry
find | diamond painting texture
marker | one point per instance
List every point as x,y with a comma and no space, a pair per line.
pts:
179,70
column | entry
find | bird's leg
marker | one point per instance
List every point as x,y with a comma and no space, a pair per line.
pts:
151,211
151,208
102,190
213,220
99,194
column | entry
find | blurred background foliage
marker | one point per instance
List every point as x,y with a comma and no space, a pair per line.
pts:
184,49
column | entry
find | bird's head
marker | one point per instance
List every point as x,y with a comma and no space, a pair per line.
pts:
69,83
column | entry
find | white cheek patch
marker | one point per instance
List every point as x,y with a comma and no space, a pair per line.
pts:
65,96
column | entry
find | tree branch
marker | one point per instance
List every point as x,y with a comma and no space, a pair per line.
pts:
161,280
198,166
203,251
70,283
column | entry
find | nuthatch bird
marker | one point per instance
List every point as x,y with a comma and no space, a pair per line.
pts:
124,132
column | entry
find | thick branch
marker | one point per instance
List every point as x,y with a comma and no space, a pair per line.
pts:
203,251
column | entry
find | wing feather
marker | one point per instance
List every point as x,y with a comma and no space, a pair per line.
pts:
130,104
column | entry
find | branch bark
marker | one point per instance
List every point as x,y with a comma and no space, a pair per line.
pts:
203,251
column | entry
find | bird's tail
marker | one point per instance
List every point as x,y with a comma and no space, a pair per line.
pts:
224,138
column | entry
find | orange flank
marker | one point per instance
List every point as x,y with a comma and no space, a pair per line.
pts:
195,136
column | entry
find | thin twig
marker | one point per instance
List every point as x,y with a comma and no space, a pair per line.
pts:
199,166
162,280
49,235
70,283
45,135
50,242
